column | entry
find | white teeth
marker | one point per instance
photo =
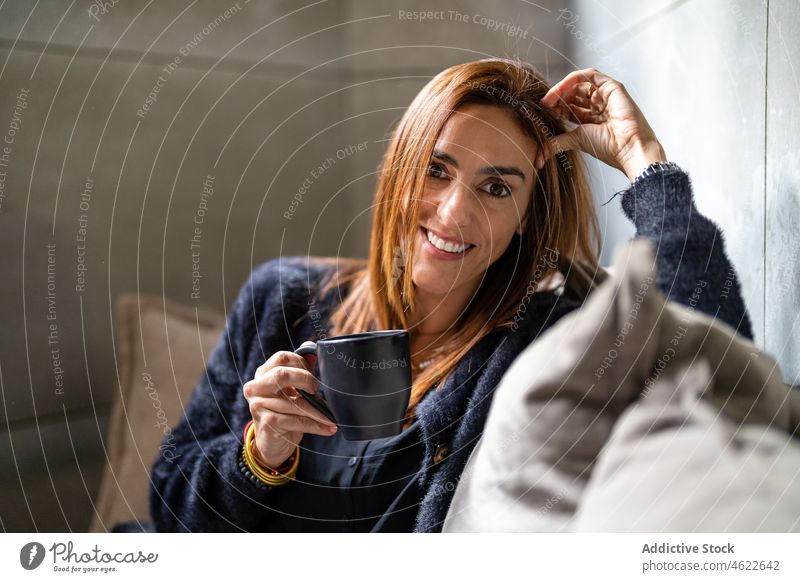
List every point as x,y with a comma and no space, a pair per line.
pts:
445,246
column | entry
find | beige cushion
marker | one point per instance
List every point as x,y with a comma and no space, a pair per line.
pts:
557,405
161,352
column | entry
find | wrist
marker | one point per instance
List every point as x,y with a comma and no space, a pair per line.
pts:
255,453
271,464
641,155
254,468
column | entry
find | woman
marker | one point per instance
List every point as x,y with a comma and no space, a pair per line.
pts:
481,199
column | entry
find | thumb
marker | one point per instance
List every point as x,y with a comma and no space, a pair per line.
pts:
563,142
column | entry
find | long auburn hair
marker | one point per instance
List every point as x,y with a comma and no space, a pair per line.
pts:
562,217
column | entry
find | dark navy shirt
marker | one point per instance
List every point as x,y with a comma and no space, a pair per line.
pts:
348,486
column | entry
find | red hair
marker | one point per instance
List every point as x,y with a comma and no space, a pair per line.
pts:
561,220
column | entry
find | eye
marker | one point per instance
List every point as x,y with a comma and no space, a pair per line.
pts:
437,171
497,189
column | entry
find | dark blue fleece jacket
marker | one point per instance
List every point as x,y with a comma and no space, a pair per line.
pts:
201,487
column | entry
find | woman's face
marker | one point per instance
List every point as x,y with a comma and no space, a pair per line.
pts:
476,195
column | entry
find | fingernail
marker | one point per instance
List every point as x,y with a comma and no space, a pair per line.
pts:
332,429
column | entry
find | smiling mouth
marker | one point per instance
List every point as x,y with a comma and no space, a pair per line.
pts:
451,248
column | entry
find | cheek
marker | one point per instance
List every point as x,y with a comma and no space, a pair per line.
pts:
500,231
427,205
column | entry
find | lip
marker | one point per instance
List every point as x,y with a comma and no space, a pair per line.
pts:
438,253
458,241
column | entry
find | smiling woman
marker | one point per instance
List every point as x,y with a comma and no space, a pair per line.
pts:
459,170
482,200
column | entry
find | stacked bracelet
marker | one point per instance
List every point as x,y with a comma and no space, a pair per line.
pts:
248,475
260,475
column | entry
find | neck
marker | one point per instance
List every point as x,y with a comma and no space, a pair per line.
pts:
436,314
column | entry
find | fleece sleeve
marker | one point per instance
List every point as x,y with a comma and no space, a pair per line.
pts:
693,268
198,486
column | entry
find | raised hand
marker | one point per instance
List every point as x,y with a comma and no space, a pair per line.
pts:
611,127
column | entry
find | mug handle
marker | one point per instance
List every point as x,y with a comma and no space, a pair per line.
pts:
315,400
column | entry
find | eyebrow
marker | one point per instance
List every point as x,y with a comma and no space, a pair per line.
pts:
488,170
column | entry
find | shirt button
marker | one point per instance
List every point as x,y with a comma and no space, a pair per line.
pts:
441,453
352,462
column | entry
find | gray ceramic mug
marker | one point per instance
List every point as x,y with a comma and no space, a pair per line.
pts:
366,382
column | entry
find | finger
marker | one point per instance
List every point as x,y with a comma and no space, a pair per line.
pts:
573,83
565,112
296,405
282,423
594,103
581,107
273,408
598,101
581,91
287,358
591,75
582,102
564,107
559,100
550,148
275,380
583,115
583,110
562,142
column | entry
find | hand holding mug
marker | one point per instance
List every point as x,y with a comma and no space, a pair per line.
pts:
280,415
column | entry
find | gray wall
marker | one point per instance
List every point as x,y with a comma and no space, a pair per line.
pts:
232,117
264,99
717,80
782,195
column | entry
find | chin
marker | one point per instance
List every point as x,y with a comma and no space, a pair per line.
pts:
437,290
434,284
439,281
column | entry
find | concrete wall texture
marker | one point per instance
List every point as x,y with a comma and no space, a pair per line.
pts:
718,82
169,147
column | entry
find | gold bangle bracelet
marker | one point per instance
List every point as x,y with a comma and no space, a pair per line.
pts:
270,477
274,478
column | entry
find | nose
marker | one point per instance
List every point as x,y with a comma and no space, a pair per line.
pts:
457,205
